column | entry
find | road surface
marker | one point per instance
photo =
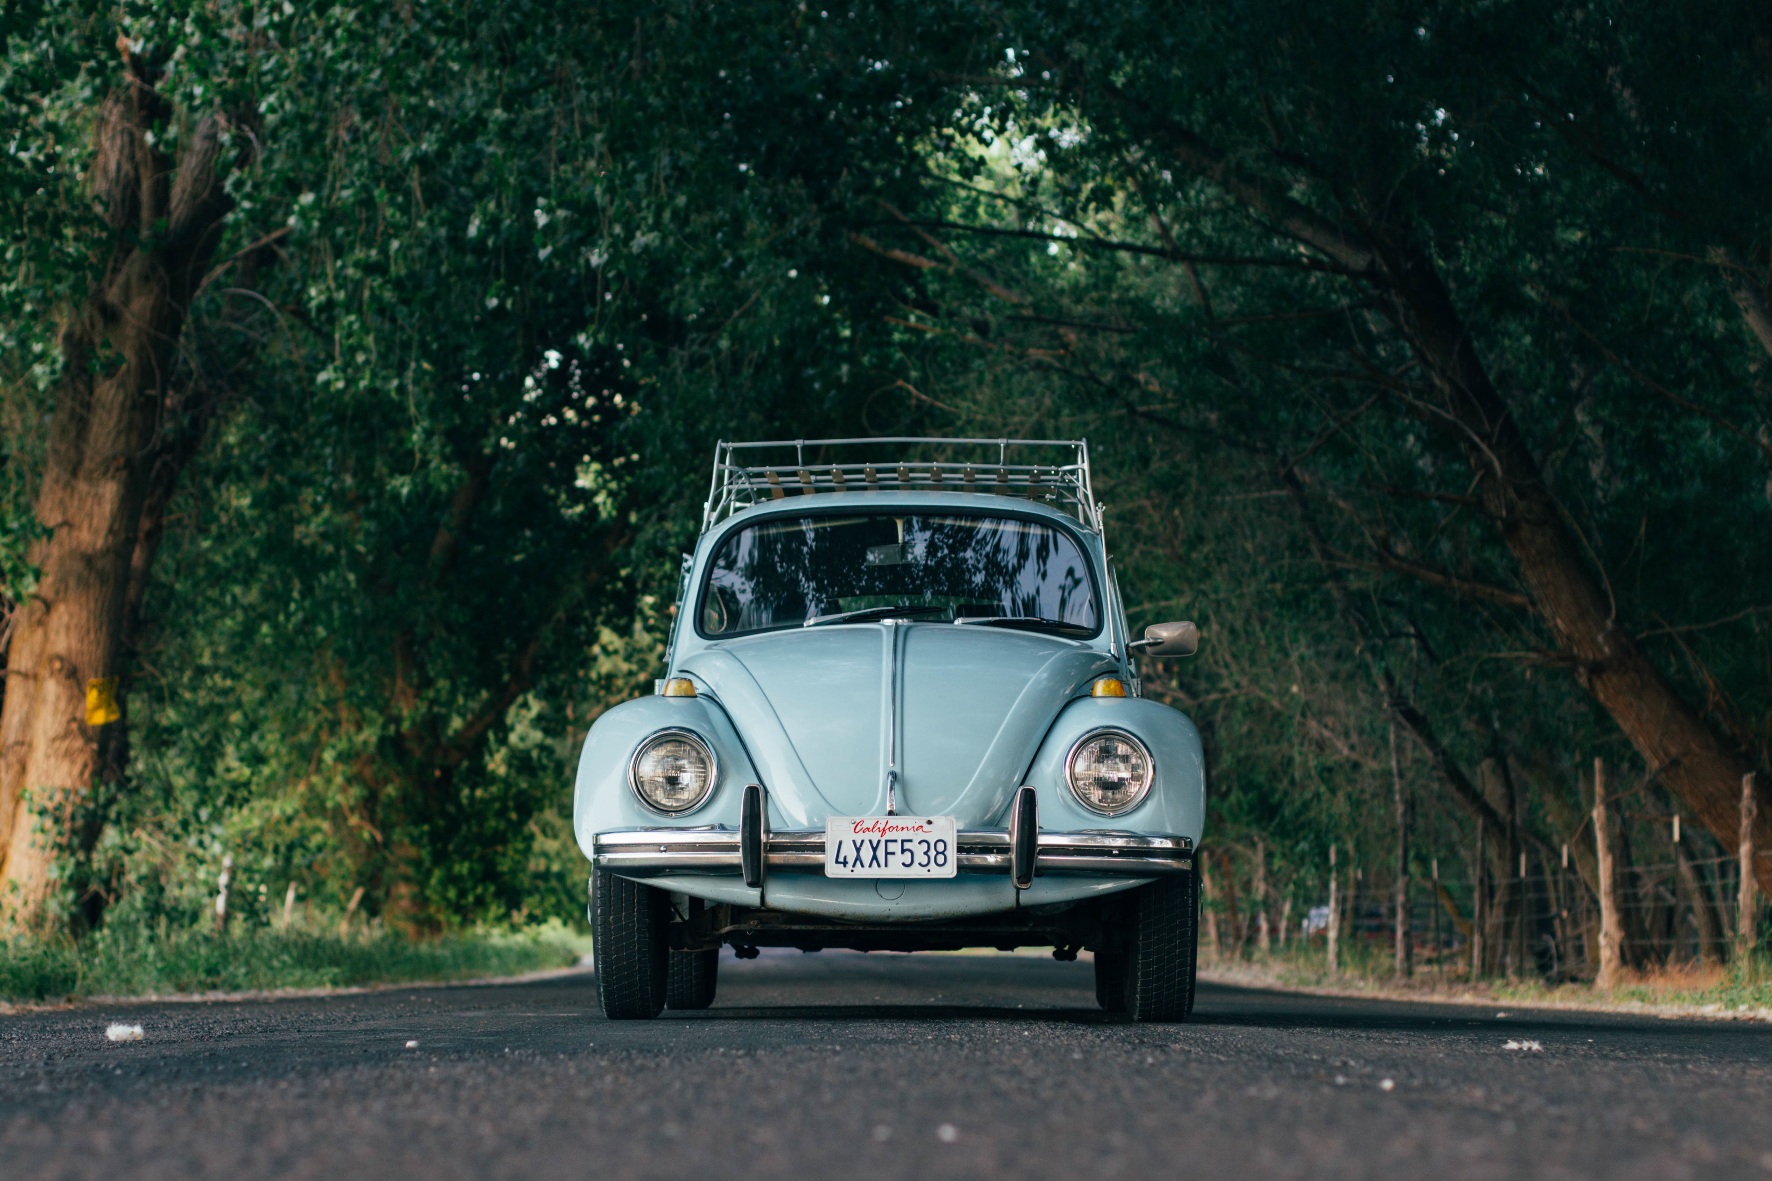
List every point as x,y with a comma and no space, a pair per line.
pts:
852,1066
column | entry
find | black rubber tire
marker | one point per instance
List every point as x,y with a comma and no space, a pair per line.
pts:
1162,924
629,946
1110,981
693,977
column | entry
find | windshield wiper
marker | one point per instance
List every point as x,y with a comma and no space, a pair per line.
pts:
1033,623
869,614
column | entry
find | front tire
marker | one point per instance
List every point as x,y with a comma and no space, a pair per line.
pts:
693,977
630,946
1161,942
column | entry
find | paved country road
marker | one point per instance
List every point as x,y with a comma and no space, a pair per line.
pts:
851,1066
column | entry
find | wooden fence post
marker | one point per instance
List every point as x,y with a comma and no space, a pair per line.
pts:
1747,902
288,906
1517,961
1334,919
1611,923
1263,935
1405,959
344,924
1479,901
221,893
1434,909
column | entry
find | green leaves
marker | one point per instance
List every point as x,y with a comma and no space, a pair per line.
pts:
499,274
502,274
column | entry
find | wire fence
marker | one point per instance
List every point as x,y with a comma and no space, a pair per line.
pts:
1544,919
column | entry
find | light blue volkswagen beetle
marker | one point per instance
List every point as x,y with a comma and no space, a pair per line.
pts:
900,713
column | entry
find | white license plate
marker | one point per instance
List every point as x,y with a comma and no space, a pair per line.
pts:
890,847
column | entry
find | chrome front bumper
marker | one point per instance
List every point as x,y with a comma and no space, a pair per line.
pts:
650,852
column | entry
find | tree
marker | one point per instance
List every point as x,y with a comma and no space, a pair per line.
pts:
1358,190
522,248
156,173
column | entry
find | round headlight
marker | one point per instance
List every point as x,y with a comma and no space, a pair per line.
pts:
1109,772
672,772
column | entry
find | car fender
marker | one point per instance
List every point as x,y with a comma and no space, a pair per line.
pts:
1176,803
602,797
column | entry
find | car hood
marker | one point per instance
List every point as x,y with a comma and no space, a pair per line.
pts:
812,707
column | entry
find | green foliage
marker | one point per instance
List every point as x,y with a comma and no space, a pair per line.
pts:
1104,283
498,275
124,961
497,257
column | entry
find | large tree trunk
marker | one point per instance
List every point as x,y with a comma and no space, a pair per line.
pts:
1695,762
120,352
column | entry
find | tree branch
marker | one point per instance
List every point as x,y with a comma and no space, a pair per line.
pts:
1262,197
1565,128
446,544
1167,253
900,256
1463,789
1463,501
1653,386
591,573
1461,586
1749,298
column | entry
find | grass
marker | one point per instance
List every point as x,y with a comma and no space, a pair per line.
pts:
1715,988
134,963
1368,966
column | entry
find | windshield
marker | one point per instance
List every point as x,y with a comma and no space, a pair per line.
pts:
786,572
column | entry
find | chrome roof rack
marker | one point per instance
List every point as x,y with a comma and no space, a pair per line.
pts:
999,467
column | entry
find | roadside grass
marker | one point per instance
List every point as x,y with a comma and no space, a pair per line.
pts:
122,963
1368,966
1716,988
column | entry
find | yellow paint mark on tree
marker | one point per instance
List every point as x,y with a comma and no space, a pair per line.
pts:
101,702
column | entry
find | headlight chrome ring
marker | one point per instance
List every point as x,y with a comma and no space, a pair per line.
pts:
673,772
1109,771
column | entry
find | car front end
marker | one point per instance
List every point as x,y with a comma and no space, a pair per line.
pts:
897,717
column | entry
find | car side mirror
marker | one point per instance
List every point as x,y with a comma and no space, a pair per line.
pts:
1169,639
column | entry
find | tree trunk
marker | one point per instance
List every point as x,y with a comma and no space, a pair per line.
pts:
120,353
1695,762
1502,910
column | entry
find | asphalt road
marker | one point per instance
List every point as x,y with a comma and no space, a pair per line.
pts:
843,1065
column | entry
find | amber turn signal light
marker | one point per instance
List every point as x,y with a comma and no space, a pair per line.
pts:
679,687
1106,687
